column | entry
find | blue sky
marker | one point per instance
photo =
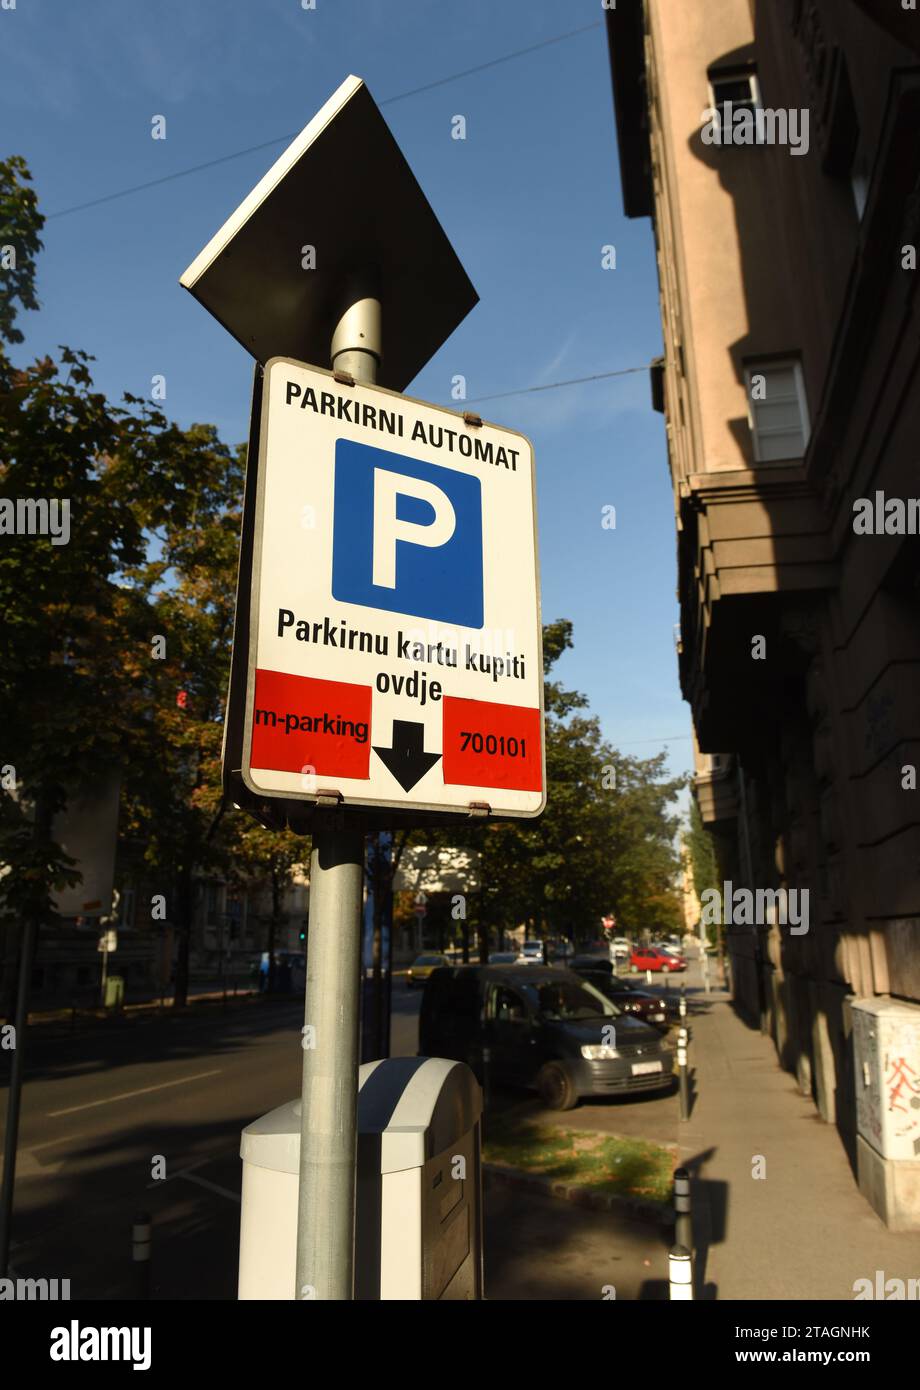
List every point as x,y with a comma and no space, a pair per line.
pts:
528,200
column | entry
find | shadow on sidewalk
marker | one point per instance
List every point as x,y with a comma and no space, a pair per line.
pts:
709,1215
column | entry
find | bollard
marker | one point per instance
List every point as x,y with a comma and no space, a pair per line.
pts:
683,1228
682,1080
648,977
680,1274
140,1254
682,1005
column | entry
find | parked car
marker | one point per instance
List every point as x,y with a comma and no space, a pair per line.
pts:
543,1028
559,950
660,1013
668,943
422,967
654,958
531,953
620,947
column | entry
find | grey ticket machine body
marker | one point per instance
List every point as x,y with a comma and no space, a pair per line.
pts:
419,1193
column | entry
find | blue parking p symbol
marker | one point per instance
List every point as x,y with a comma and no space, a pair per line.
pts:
407,536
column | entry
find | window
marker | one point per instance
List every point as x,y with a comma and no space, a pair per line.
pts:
575,999
733,89
506,1006
778,414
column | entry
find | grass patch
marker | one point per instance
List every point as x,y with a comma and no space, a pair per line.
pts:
604,1163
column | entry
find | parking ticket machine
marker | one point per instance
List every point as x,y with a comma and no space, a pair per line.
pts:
418,1214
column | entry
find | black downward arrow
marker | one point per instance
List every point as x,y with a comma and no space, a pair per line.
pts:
407,759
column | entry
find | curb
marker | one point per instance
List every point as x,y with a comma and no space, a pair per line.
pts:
639,1208
54,1023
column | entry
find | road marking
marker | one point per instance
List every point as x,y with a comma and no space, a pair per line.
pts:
27,1165
212,1186
50,1143
129,1095
190,1174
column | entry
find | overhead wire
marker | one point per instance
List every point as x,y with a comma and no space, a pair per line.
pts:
280,139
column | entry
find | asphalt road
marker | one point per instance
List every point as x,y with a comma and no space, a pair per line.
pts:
146,1116
105,1113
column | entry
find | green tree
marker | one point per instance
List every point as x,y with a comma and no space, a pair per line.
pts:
20,225
69,458
173,807
605,841
704,864
261,857
114,646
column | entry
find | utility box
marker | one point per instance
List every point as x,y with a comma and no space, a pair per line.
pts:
886,1056
114,992
418,1217
887,1052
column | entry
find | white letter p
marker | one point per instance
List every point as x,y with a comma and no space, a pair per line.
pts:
388,529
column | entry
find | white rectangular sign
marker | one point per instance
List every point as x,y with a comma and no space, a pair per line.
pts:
395,643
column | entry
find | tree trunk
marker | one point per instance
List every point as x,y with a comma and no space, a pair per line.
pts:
9,967
183,937
483,930
273,923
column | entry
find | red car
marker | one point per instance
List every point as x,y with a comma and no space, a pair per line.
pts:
651,958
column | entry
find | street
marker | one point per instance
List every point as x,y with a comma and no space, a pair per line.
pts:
147,1116
103,1112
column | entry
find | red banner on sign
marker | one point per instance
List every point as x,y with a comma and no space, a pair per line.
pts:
488,745
300,723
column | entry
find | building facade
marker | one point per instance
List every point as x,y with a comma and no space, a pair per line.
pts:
774,145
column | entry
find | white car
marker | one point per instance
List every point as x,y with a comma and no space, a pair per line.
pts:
531,953
619,948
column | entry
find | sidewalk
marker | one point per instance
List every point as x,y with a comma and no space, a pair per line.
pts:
802,1232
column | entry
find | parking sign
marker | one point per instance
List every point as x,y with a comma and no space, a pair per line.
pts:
395,652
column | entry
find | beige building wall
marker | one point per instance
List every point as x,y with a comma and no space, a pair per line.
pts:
767,255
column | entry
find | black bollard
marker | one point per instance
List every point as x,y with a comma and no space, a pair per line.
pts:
682,1080
683,1227
140,1254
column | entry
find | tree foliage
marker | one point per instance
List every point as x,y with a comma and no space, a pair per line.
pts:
20,225
114,654
606,841
703,862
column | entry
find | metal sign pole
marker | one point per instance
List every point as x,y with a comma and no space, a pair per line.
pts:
329,1100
